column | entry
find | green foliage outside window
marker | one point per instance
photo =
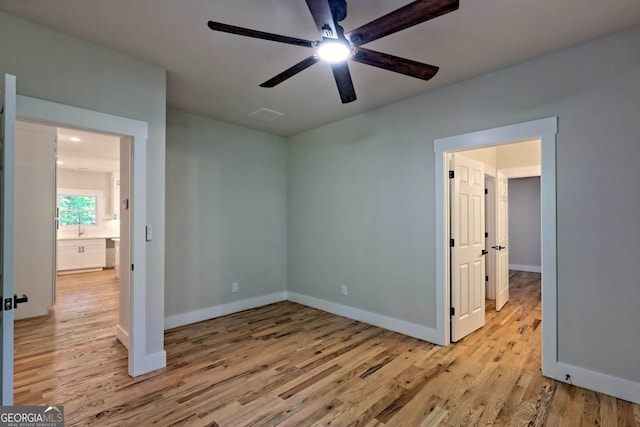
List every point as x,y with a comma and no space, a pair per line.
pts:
76,210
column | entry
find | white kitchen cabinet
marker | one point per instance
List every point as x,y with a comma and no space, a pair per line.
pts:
69,255
81,254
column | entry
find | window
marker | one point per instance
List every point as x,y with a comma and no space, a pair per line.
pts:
79,207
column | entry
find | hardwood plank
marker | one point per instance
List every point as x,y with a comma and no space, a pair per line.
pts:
289,365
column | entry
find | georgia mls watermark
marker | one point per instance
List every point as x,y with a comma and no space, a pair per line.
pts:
32,416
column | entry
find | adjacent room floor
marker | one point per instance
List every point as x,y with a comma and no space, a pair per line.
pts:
289,365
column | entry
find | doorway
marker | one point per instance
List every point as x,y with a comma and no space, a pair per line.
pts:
67,197
133,137
545,130
504,165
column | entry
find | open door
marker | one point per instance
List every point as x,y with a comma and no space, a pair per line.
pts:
502,240
35,200
7,156
467,246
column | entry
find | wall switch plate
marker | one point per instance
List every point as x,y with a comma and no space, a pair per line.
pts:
344,290
234,287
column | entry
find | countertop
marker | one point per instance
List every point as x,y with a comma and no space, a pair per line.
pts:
89,237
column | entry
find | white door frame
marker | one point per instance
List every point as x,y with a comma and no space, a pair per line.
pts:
545,130
65,115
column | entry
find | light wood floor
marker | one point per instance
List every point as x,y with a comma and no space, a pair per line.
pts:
290,365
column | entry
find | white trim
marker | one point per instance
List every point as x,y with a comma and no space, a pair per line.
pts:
60,114
138,289
54,113
149,363
527,268
182,319
123,336
596,381
407,328
8,90
80,270
522,172
545,130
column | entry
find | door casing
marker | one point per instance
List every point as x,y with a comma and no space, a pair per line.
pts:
545,130
64,115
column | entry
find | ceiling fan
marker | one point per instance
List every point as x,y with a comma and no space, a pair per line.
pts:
337,46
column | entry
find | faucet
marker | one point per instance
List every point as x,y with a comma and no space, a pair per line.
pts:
80,231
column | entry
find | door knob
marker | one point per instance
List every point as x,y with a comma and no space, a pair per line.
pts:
484,252
498,247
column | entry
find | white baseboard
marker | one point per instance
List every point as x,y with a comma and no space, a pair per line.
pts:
123,336
152,362
596,381
82,270
527,268
407,328
182,319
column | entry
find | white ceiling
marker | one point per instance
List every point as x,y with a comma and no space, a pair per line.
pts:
217,75
94,152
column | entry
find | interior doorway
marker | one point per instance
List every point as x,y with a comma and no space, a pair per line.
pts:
68,200
133,139
545,130
506,164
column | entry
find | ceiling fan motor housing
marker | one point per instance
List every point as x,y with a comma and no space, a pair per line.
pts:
338,9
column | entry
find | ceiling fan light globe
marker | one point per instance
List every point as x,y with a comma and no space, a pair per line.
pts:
334,51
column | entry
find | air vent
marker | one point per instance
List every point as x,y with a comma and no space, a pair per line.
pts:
266,115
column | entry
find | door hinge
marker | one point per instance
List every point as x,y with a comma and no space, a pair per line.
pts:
452,311
131,267
486,278
486,191
452,174
452,243
486,234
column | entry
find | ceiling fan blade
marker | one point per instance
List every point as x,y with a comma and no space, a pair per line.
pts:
290,72
321,12
343,80
394,63
407,16
226,28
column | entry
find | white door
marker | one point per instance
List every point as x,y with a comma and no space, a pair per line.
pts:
7,155
468,250
35,200
502,241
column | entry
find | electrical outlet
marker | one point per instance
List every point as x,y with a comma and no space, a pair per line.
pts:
234,287
344,290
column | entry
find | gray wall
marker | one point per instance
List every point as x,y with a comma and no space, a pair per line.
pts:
524,222
56,67
226,213
361,196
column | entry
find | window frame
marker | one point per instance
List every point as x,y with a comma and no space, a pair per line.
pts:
98,194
